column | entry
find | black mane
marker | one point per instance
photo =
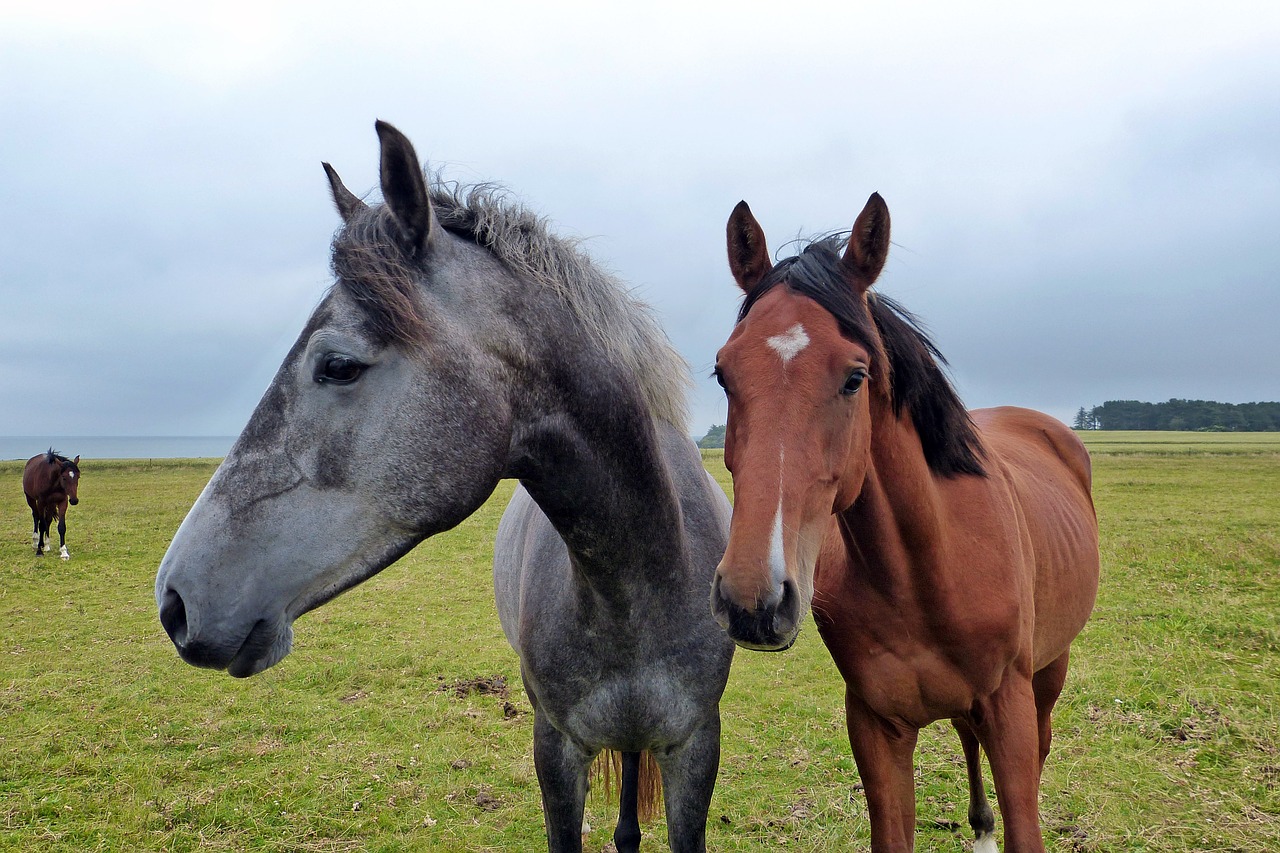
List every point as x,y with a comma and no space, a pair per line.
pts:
917,383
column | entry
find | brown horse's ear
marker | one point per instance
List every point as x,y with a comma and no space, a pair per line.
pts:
405,190
347,202
76,460
748,254
868,244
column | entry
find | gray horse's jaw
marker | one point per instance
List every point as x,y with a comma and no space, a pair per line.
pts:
251,660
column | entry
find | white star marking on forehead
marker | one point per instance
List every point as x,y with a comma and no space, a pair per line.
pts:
789,343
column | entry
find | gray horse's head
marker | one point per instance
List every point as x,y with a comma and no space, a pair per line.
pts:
385,424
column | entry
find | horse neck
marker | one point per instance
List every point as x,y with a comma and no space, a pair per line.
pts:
590,454
894,529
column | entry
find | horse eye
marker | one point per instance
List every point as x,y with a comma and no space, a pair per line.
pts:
339,369
854,382
718,377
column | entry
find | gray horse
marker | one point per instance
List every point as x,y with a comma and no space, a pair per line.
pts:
463,344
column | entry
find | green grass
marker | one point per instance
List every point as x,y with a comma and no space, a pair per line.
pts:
366,738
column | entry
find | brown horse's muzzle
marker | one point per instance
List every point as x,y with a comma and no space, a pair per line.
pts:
762,627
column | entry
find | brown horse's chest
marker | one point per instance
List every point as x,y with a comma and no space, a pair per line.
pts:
918,660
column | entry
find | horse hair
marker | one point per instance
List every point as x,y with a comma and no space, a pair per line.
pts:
53,457
896,339
382,281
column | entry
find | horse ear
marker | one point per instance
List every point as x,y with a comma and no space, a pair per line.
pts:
77,459
405,190
347,202
748,253
868,244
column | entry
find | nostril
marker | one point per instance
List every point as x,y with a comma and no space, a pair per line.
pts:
173,617
73,501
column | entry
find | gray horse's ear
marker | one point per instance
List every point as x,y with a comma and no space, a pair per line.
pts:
748,253
868,244
347,202
405,190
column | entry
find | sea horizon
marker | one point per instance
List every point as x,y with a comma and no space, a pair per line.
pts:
22,447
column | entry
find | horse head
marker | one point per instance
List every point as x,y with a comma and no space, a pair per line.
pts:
799,371
69,479
385,424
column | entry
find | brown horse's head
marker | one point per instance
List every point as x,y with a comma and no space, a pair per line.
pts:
69,478
799,371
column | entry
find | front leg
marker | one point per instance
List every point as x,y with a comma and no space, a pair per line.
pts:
62,532
1007,728
884,752
688,777
562,777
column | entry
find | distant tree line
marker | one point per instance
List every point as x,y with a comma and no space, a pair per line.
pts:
1202,415
713,438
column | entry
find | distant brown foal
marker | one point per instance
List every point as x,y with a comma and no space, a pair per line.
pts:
50,482
949,557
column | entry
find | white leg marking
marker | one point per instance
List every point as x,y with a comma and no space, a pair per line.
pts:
789,344
66,555
986,843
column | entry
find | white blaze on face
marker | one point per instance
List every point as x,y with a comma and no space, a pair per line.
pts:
777,560
789,344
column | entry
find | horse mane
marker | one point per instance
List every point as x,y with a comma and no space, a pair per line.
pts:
53,457
382,281
914,366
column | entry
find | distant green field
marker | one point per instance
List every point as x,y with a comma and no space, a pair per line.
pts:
1119,442
398,722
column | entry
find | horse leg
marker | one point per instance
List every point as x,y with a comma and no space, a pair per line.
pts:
562,777
35,524
43,530
1047,685
884,752
688,777
1006,726
62,531
981,818
626,835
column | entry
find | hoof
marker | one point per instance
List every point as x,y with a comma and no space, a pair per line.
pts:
65,554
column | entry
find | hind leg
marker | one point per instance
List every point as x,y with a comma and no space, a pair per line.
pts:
42,535
562,777
1047,684
688,777
981,817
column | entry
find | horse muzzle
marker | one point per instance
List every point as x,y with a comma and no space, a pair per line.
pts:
762,627
241,654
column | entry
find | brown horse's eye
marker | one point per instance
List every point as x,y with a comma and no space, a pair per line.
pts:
339,369
854,382
718,376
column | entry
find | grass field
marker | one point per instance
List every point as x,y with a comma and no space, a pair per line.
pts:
398,722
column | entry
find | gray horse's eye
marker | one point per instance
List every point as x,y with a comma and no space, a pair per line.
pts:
339,369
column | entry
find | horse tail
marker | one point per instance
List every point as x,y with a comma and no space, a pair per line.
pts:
607,772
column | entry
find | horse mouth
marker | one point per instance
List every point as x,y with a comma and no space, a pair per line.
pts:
262,649
771,628
265,644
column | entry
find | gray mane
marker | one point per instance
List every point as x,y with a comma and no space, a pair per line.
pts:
381,280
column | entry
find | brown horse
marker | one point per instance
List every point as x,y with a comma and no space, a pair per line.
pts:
949,557
50,482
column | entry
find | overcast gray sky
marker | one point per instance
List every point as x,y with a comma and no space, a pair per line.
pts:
1085,196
